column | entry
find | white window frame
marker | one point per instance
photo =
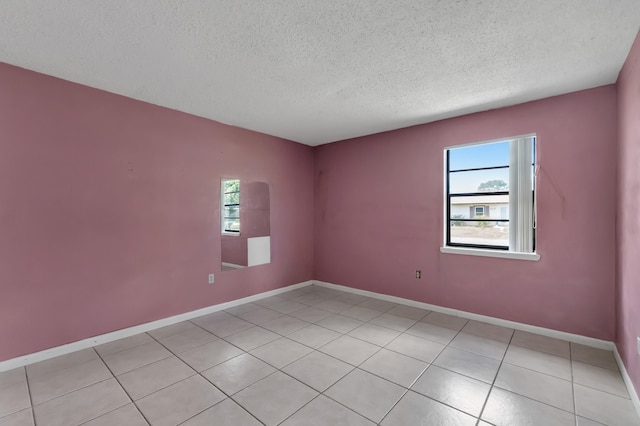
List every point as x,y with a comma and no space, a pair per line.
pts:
475,211
522,227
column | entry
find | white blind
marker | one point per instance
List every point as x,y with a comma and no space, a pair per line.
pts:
520,195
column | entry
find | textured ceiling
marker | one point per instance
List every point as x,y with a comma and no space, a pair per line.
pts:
320,71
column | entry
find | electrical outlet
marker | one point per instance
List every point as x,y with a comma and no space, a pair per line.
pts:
638,345
418,274
211,278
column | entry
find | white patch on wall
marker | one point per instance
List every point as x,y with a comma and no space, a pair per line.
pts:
258,250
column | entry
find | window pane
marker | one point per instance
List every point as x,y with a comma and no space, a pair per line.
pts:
480,233
479,181
231,212
476,156
232,198
231,225
492,206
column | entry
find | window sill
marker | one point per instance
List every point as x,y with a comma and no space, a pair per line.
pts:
490,253
235,234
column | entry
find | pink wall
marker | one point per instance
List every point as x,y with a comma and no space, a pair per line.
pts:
109,211
379,216
628,217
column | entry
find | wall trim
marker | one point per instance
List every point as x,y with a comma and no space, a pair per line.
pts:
23,360
575,338
627,380
563,335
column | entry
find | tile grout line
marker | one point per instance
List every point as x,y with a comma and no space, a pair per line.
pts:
32,405
493,383
430,364
121,387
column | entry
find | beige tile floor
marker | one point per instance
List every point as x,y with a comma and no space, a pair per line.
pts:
317,356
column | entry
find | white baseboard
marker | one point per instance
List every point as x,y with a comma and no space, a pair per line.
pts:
575,338
10,364
627,381
570,337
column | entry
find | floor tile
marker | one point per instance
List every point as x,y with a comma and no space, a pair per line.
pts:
540,343
206,356
311,299
397,368
237,373
593,356
21,418
286,307
323,411
44,388
490,331
127,415
318,370
415,347
539,361
366,394
188,339
311,314
314,336
541,387
480,345
243,309
281,352
340,324
350,350
260,315
294,293
599,378
393,322
352,298
180,401
285,325
267,302
12,377
334,306
415,409
161,333
375,334
469,364
378,305
275,398
506,409
408,312
150,378
444,320
360,313
222,324
14,398
458,391
225,413
123,344
82,405
604,407
581,421
61,362
136,357
432,332
252,338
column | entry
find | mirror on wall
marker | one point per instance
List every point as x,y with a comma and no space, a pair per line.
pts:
245,224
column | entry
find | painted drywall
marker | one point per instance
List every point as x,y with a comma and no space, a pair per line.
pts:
628,214
110,209
379,216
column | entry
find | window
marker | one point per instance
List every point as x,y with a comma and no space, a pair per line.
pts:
490,196
230,206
